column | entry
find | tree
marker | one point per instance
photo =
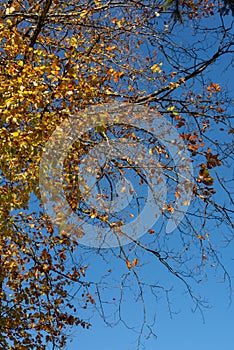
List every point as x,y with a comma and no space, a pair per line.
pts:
65,60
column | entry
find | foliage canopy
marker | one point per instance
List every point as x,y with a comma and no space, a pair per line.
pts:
58,58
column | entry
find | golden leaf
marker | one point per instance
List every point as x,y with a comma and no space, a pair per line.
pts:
15,133
155,68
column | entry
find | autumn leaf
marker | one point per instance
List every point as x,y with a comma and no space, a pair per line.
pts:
151,231
170,208
118,75
213,88
58,59
82,270
156,69
201,237
129,265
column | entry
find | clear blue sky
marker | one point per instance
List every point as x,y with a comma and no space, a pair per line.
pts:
186,330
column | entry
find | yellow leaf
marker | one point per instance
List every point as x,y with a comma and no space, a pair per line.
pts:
83,14
171,108
82,270
155,68
15,133
110,48
119,23
94,215
173,85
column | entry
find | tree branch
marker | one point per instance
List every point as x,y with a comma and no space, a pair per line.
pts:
40,22
172,86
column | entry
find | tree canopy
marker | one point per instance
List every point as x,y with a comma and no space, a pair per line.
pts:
83,62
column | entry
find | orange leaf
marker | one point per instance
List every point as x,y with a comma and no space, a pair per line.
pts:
170,208
82,269
201,237
135,262
151,231
129,265
117,75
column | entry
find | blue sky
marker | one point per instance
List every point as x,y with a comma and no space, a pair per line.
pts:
185,330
